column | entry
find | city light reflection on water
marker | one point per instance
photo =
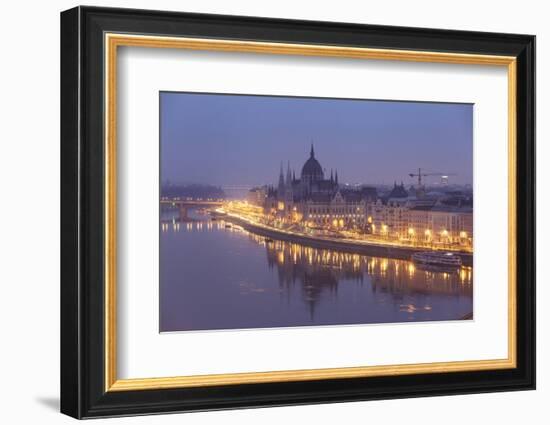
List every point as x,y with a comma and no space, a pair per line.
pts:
215,275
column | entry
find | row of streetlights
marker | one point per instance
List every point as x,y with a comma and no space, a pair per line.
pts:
339,223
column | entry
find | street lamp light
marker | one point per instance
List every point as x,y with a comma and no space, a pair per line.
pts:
445,235
410,231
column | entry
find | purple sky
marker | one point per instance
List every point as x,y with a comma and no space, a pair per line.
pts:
241,140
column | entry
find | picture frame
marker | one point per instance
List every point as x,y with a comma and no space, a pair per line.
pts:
90,40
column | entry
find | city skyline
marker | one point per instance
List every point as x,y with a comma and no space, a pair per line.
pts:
242,139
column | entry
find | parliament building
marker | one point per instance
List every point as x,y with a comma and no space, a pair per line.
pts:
315,200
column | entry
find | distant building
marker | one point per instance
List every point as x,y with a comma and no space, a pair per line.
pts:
317,201
387,215
445,220
441,225
257,196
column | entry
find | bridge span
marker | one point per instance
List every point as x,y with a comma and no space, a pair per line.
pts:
184,205
192,202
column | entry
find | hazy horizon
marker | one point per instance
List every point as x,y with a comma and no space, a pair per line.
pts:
220,139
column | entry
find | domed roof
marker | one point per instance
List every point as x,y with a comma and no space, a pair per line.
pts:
398,191
312,166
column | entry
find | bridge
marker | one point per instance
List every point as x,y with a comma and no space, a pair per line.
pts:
192,202
184,204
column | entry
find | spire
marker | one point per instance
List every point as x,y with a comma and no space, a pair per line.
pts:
331,176
281,187
288,174
336,177
312,152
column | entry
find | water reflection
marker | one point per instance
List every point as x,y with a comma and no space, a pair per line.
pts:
319,272
296,285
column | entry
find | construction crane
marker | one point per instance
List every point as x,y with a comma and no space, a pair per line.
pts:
420,174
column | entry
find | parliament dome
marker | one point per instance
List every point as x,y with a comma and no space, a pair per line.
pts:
312,170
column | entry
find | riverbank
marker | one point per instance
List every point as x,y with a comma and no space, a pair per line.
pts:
356,247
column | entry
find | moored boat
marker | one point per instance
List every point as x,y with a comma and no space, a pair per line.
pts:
437,259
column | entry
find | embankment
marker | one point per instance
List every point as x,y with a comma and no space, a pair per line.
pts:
372,249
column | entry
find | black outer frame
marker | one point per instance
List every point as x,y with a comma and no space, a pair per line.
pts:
82,206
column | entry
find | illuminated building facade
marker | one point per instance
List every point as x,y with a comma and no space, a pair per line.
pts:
317,201
388,216
424,221
441,225
257,196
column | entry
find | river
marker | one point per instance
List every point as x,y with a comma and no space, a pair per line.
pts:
213,276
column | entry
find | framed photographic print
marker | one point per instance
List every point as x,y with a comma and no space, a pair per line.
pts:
261,212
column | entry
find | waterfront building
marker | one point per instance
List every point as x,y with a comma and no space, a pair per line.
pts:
425,220
257,196
388,214
316,201
441,225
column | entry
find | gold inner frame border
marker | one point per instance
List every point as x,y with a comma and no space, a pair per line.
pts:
113,40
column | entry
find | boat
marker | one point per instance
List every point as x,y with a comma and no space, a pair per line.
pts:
268,240
228,226
437,259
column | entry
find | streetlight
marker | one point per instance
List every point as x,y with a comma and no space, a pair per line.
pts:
428,235
445,235
411,233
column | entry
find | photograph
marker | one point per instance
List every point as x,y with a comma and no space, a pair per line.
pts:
284,211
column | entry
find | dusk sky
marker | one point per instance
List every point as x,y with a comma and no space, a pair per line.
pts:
241,139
